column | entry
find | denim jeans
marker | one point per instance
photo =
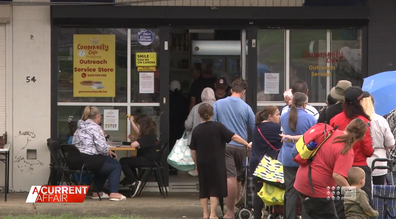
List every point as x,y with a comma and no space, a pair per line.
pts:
110,171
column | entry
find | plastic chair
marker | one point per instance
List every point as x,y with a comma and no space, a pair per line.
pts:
158,168
71,151
57,164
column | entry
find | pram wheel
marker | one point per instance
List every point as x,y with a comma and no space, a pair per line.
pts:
245,214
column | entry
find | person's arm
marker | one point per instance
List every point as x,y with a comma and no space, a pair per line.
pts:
367,144
134,126
189,123
240,140
100,141
194,157
364,204
389,140
251,118
214,118
290,138
135,144
340,180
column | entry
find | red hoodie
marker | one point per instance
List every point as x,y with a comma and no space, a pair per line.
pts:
363,148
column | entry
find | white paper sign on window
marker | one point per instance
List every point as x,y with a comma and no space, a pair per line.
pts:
271,83
110,120
146,82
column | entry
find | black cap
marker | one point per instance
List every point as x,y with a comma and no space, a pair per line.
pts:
354,94
221,83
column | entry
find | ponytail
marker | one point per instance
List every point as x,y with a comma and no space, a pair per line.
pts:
293,117
89,113
298,101
356,130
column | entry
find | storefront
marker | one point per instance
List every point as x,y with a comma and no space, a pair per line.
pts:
281,45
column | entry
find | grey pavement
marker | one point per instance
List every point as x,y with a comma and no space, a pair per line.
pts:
148,204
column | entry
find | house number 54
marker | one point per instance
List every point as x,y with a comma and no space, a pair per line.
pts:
30,79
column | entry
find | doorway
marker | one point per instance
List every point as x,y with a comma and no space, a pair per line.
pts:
192,54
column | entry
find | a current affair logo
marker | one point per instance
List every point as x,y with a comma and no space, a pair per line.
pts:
54,194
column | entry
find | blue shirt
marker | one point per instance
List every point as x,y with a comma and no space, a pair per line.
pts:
304,122
235,115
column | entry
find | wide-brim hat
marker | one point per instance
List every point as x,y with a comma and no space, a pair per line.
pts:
338,91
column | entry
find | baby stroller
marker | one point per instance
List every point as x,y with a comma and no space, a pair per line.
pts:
385,195
245,202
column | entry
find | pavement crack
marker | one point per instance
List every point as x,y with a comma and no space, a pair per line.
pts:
35,209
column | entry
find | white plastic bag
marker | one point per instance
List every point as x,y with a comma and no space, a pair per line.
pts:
180,156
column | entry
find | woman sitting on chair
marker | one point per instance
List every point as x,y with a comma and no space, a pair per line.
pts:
91,142
147,144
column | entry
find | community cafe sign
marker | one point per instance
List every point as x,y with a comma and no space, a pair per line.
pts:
94,65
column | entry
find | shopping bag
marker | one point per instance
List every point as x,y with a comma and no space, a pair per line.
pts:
180,156
271,195
270,171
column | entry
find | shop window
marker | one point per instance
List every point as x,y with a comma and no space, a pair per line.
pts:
149,45
309,61
68,117
349,65
271,65
114,65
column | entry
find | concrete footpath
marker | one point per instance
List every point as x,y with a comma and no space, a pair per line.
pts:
149,204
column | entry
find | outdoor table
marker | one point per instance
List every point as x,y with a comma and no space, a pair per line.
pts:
117,146
6,160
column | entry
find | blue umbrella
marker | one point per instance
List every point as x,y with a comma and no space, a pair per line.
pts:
382,87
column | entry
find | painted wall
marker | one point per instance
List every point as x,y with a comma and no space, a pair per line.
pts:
31,100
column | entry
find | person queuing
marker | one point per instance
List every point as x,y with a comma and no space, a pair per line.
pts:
382,138
208,150
329,168
363,149
266,141
294,123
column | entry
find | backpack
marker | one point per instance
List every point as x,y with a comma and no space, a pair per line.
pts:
309,144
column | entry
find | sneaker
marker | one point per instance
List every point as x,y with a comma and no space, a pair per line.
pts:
135,188
193,173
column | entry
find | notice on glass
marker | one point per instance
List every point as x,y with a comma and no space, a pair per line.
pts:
271,83
94,65
146,82
110,120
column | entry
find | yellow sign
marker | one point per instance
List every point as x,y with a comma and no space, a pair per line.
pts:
94,65
146,69
146,59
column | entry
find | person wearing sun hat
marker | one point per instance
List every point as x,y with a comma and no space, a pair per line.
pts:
337,93
362,149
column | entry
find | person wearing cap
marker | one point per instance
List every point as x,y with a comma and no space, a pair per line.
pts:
362,149
221,88
178,112
337,93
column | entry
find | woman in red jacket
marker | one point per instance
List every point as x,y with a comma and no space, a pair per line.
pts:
362,149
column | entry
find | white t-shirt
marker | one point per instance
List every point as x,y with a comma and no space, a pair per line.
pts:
382,138
309,109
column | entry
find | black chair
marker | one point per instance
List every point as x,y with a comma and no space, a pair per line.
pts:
57,165
158,169
73,155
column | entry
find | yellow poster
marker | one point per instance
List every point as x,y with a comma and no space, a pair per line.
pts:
146,59
94,65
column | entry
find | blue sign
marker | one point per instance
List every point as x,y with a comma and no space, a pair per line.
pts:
145,37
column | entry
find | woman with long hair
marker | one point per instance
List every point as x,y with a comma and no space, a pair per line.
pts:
208,146
147,145
89,138
266,141
362,149
294,123
328,169
382,138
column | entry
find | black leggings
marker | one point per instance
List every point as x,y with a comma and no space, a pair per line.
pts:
379,180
